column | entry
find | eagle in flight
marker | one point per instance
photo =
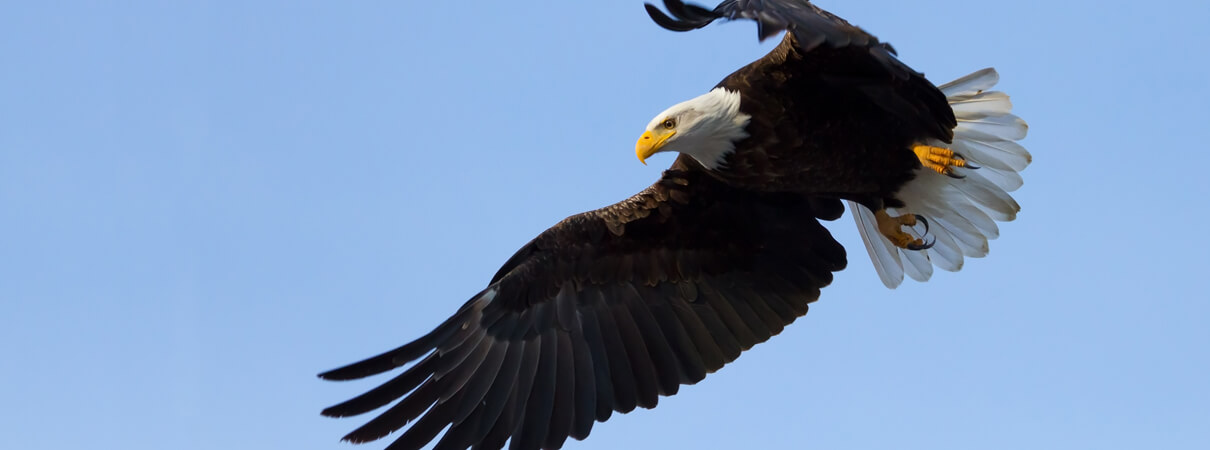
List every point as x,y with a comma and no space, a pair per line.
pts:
610,309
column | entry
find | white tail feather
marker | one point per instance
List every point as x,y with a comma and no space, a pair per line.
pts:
1007,179
998,128
884,255
962,212
990,104
972,84
945,253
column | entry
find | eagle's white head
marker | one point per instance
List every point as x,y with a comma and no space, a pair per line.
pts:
706,128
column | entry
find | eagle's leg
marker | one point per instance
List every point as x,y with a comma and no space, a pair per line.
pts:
892,228
941,160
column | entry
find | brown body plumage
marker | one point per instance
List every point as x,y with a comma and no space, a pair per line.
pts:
833,122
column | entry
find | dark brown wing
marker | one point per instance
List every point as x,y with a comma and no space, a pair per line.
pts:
812,24
604,312
832,121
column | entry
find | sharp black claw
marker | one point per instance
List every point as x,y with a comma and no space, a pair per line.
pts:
950,173
968,164
924,246
922,220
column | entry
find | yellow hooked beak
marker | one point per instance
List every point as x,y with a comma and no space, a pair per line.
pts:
650,143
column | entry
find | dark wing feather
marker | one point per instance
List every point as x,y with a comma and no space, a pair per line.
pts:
810,23
866,65
603,312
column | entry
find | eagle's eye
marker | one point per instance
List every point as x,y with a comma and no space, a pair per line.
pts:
670,124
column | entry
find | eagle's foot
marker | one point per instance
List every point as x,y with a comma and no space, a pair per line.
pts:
892,228
941,160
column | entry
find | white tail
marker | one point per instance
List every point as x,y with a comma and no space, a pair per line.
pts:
962,212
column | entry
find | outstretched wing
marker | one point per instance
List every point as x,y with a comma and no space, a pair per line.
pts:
811,24
604,312
851,60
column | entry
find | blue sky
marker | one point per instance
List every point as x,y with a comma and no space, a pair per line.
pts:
204,205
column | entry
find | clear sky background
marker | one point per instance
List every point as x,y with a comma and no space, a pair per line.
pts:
204,205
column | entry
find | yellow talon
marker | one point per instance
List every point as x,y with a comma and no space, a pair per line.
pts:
892,228
938,159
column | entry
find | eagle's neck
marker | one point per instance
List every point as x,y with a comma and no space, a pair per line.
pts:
716,132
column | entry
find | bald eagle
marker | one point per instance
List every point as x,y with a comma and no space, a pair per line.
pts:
610,309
